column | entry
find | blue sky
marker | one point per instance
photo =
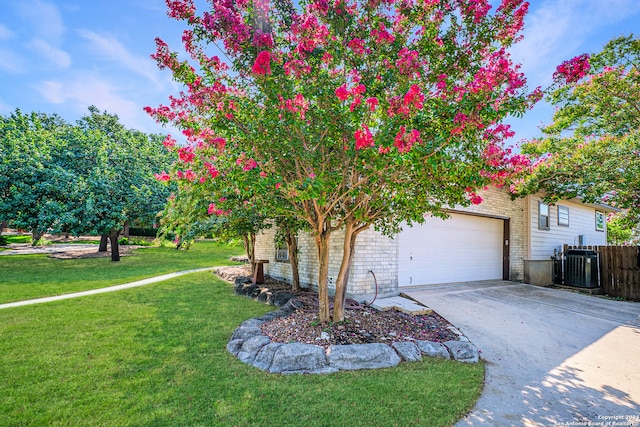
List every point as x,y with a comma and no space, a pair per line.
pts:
60,56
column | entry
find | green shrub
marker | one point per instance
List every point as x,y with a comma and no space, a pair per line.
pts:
138,231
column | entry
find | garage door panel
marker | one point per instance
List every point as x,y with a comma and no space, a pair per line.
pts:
461,248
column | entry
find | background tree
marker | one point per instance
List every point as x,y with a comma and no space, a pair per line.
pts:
358,113
591,150
36,188
88,178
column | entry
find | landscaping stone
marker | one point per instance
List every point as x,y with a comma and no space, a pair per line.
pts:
463,351
240,283
264,358
362,356
280,299
234,346
251,322
298,357
433,349
264,296
251,347
408,351
246,332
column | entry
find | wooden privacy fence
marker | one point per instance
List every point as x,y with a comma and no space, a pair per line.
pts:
619,268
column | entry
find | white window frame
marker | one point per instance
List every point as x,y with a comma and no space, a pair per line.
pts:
600,221
563,216
544,219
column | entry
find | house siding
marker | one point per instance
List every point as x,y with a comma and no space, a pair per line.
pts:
581,222
374,269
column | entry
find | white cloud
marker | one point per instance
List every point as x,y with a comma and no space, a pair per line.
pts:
5,33
556,30
111,49
58,57
11,63
84,89
46,20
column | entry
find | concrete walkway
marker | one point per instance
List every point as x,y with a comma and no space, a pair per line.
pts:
552,357
105,290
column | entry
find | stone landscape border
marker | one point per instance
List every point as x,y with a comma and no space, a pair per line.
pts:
252,347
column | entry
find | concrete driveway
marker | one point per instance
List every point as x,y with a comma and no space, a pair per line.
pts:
553,357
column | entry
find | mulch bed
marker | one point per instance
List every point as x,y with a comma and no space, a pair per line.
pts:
362,325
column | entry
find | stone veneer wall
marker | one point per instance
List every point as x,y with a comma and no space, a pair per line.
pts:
378,254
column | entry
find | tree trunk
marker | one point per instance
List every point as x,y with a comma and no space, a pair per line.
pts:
322,242
115,250
103,243
250,249
349,247
35,236
292,247
126,229
3,225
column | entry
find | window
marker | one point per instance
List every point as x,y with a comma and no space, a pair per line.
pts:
599,221
563,216
282,252
543,216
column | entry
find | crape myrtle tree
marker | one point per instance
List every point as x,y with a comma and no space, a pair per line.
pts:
591,150
355,113
226,201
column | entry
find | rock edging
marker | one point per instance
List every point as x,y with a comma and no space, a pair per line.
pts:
250,346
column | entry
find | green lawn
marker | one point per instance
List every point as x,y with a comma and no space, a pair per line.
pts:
32,276
155,356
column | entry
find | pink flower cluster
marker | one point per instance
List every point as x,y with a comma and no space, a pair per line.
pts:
476,9
357,46
181,9
186,154
408,63
169,142
381,35
227,23
413,99
363,138
247,164
296,68
309,33
162,176
262,65
356,93
297,105
573,70
405,140
214,210
213,172
514,25
473,197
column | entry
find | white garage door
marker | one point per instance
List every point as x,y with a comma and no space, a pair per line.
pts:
460,249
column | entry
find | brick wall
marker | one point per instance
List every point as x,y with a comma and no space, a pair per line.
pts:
378,254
